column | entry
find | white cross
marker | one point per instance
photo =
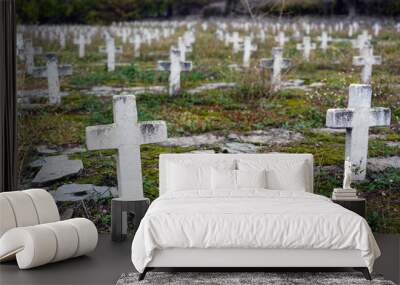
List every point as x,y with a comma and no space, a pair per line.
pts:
306,46
247,49
362,40
324,39
110,50
81,42
183,49
236,41
277,62
174,66
52,71
29,54
357,118
126,135
136,40
281,39
377,28
366,60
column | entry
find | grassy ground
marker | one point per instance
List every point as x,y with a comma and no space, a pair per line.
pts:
250,106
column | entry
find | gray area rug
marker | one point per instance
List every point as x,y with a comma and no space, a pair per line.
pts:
236,278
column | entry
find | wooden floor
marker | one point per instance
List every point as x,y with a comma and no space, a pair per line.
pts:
110,260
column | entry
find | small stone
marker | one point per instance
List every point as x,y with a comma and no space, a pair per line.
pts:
328,131
78,192
198,140
393,144
205,151
57,167
236,147
44,149
212,86
73,150
271,137
317,84
381,163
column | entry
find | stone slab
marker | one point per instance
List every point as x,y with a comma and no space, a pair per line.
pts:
57,167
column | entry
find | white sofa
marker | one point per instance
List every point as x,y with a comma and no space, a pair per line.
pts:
31,231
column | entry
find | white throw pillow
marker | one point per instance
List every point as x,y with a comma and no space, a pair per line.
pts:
223,179
251,178
282,174
182,177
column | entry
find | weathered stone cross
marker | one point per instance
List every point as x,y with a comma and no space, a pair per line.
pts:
366,60
174,66
324,39
357,118
281,39
236,42
29,54
277,62
126,135
183,48
136,40
247,49
110,50
81,42
306,46
361,40
52,71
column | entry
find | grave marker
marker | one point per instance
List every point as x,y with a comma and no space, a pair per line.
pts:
174,66
366,60
277,62
52,71
306,47
357,118
110,50
126,135
247,49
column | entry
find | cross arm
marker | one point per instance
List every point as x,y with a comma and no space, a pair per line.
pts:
39,72
163,65
186,66
101,137
266,62
343,118
285,62
153,131
64,70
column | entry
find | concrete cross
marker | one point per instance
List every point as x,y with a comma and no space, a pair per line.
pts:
281,39
81,42
29,54
62,39
306,46
357,118
110,50
324,39
126,135
183,48
52,71
248,48
174,66
277,62
136,40
236,42
377,28
366,60
362,40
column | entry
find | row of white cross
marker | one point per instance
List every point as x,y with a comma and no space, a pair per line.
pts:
126,135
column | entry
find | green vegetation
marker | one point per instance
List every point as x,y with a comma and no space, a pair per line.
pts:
250,106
